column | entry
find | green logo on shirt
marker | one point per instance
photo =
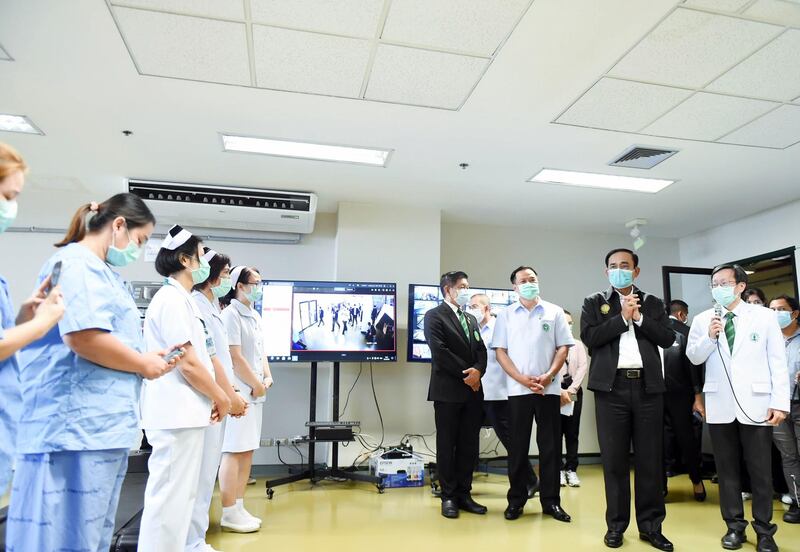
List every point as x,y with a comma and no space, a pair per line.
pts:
477,336
546,327
754,337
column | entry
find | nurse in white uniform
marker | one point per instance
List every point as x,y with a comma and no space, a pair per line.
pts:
177,409
253,377
206,297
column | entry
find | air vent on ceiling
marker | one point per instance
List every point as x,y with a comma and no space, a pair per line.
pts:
642,157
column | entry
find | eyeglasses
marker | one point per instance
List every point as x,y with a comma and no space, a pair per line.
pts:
714,285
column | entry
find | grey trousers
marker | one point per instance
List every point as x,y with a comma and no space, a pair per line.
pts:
787,439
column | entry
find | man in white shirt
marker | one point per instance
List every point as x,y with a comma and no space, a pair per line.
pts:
531,339
746,394
495,383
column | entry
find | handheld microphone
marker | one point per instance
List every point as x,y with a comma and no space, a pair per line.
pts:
718,313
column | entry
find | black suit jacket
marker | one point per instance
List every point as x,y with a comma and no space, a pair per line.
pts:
696,373
680,374
451,354
679,327
601,327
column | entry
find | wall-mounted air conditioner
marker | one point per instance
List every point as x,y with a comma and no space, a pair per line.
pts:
196,205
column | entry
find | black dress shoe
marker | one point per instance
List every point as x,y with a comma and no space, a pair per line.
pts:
613,539
533,489
469,505
766,544
793,515
701,496
449,509
513,512
657,540
733,540
558,513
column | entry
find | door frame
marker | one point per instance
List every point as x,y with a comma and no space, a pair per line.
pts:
667,270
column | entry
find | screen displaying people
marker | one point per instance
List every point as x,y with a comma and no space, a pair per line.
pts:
424,297
308,321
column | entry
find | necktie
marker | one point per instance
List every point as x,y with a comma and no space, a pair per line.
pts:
463,320
730,330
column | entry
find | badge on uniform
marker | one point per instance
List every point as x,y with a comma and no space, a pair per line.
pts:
546,326
605,309
754,337
477,336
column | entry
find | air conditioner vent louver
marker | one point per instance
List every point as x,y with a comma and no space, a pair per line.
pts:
642,157
226,207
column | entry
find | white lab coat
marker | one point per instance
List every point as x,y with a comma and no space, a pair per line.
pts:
757,367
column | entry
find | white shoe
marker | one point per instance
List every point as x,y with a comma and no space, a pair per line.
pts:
572,479
249,516
563,478
251,481
236,522
747,496
786,499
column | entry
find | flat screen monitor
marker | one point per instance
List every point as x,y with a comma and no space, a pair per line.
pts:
423,297
329,321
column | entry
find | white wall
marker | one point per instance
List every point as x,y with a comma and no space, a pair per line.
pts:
570,267
763,232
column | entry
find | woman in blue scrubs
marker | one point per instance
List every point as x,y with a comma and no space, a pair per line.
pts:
37,315
80,388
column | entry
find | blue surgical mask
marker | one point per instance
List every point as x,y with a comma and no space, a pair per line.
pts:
529,291
223,288
620,278
8,213
255,294
202,272
463,297
724,295
123,257
784,318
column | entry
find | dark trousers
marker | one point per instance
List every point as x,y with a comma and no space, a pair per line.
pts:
628,414
570,426
678,408
458,427
728,441
498,415
787,439
522,411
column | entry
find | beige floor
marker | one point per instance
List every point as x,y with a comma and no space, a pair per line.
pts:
354,517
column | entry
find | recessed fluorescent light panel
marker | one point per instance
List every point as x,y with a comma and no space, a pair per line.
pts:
604,181
17,123
306,150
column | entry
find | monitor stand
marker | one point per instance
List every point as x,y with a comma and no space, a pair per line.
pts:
333,472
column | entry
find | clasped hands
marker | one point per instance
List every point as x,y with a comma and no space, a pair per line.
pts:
630,307
535,383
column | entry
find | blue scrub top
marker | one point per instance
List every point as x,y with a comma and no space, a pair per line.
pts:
68,402
9,392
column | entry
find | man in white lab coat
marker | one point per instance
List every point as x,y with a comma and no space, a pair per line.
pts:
746,393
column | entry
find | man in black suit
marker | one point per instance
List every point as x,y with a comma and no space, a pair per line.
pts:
682,397
458,360
623,328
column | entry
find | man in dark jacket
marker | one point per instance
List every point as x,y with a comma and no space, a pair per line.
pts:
623,328
458,361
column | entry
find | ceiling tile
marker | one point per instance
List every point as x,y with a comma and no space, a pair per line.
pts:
358,18
773,72
781,12
690,48
308,62
224,9
777,129
422,77
731,6
622,105
708,116
471,26
185,47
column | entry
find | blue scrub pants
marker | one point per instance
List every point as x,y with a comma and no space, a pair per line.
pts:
65,500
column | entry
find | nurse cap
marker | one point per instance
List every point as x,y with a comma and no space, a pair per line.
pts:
236,272
210,254
176,237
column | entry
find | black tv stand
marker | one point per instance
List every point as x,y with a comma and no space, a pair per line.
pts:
311,473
